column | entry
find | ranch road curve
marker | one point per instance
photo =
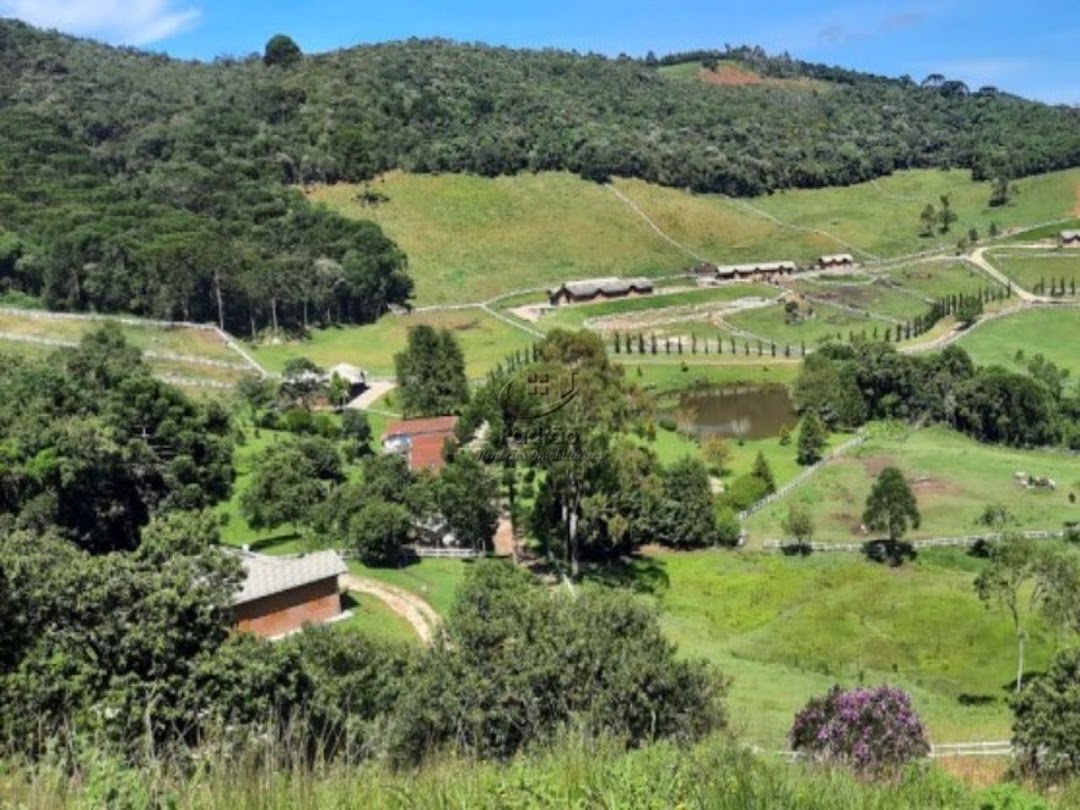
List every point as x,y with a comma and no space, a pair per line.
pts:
410,607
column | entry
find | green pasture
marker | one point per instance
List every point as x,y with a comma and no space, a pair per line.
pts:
954,478
941,278
877,297
470,238
1045,330
787,628
1027,268
374,618
484,339
882,216
827,321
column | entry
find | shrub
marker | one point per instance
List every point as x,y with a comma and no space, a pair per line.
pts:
745,491
874,731
1046,725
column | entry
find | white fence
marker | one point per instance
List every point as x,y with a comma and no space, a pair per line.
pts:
803,476
448,553
994,748
226,338
997,748
962,541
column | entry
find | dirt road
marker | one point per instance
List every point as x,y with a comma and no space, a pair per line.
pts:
412,608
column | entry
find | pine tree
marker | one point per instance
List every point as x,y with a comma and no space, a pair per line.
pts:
764,472
812,437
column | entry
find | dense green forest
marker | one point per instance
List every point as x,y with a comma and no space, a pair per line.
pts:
131,181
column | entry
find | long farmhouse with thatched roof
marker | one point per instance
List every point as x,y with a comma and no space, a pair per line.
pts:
591,289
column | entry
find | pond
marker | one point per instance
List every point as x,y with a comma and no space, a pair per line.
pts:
752,411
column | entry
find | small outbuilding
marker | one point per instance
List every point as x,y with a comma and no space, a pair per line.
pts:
420,441
837,260
753,271
574,292
280,595
1069,239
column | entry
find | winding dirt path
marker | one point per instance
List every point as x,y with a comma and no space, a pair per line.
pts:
409,606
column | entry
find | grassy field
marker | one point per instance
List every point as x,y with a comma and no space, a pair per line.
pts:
470,238
485,340
1034,331
785,629
788,628
877,297
952,476
828,321
882,216
1027,268
435,580
938,279
374,618
192,342
195,343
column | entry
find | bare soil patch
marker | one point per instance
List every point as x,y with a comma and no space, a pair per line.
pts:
731,76
875,464
933,486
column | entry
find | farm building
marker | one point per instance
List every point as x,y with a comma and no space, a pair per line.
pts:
1069,239
837,260
591,289
353,376
707,269
756,270
420,441
282,594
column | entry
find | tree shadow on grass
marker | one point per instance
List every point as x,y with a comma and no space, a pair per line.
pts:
889,552
638,573
966,699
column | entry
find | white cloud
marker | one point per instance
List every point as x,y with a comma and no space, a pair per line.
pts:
130,22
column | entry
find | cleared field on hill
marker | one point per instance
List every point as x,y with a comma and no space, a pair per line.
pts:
471,238
788,628
484,339
882,216
194,343
954,478
151,337
1028,267
1050,332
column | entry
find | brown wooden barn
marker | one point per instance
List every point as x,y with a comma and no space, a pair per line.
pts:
280,595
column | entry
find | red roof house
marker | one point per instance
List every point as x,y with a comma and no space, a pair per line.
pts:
420,440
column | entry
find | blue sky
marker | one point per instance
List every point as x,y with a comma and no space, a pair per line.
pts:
1031,48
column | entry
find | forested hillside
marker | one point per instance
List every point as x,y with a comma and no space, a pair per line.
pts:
135,182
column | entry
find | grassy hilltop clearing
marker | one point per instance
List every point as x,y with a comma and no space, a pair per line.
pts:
471,238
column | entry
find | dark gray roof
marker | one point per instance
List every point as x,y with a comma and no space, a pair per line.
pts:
728,270
610,286
266,575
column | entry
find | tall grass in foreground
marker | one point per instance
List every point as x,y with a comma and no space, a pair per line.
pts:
715,774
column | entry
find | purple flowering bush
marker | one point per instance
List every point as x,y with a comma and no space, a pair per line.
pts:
874,730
